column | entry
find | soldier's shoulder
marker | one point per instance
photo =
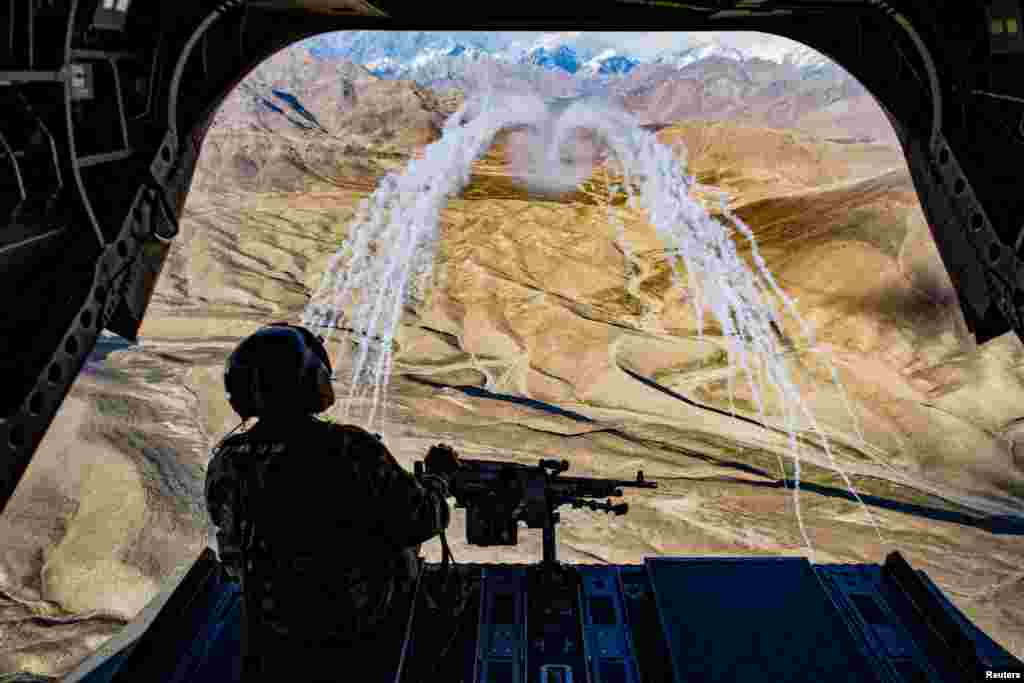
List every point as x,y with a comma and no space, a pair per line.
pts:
353,434
235,439
224,451
360,445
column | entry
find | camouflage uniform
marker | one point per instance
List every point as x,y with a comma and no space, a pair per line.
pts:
329,525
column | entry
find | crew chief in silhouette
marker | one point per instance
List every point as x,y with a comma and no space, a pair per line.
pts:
318,521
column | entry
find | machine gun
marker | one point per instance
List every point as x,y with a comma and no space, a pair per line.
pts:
497,495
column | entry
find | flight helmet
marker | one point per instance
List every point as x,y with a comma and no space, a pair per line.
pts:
279,369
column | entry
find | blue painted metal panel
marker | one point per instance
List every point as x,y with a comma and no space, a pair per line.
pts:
501,641
212,656
106,671
758,619
606,627
860,593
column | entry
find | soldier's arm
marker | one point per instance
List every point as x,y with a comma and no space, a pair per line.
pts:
407,511
221,502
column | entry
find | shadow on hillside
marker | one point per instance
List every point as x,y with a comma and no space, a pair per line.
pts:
995,524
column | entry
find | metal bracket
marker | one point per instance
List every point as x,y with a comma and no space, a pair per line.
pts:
164,159
158,197
111,15
10,153
1003,268
9,77
1005,30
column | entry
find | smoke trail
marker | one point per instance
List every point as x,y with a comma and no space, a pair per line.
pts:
394,236
741,300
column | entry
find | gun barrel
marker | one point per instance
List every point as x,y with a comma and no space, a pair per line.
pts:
610,483
582,487
474,474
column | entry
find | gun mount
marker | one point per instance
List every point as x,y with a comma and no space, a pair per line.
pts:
497,495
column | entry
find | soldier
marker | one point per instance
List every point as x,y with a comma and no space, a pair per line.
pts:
318,521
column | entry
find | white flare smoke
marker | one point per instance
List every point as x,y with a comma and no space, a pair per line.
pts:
393,240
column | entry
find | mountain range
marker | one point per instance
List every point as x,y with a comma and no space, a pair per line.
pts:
795,88
424,56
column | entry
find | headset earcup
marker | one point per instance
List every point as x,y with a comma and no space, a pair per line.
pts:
235,378
256,402
316,378
323,390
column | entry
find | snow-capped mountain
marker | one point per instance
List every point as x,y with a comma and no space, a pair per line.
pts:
450,50
458,57
431,63
813,65
681,59
558,57
570,52
712,80
586,46
610,62
385,67
431,57
804,57
401,47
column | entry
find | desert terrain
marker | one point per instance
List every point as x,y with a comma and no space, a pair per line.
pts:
537,298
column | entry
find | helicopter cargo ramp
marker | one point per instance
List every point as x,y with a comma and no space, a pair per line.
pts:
668,620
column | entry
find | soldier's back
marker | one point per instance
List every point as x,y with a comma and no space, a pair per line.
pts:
320,573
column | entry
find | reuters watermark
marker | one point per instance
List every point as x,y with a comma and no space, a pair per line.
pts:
1003,676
